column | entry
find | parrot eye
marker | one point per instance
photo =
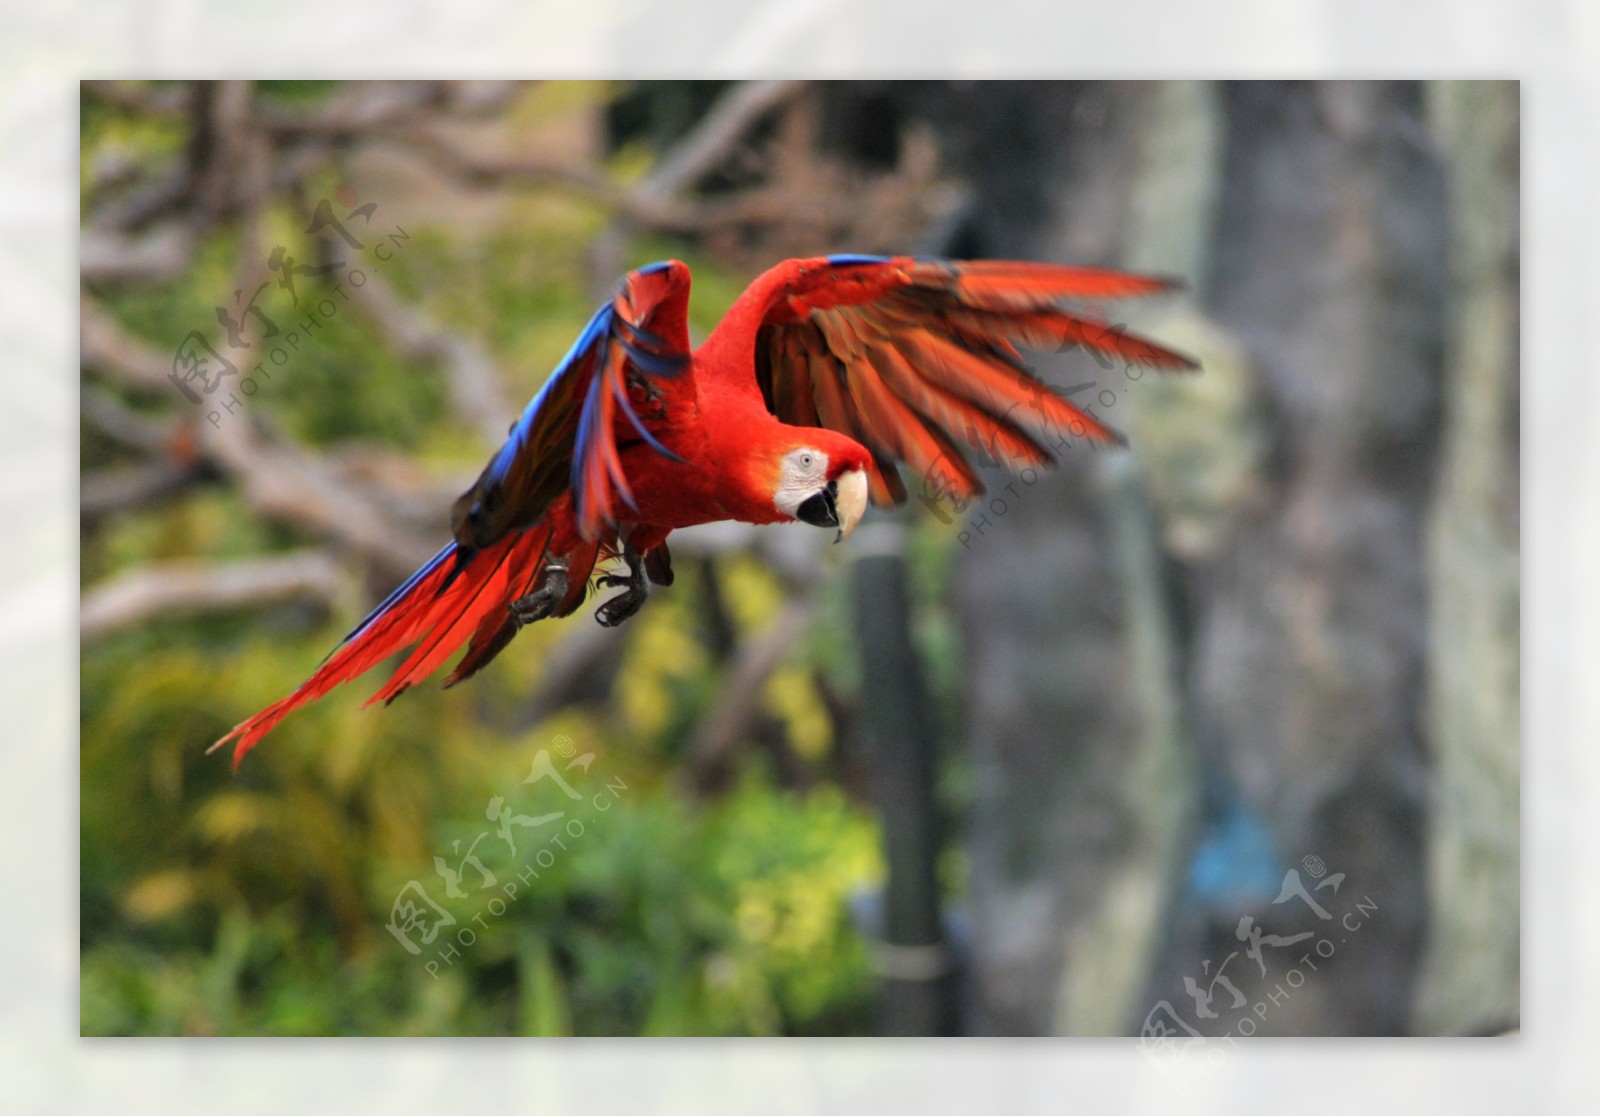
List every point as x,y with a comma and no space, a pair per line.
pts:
806,462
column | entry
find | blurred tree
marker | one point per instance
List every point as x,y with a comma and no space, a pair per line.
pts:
1294,606
1081,792
1308,659
1471,982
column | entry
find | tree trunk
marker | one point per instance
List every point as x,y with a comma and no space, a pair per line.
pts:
1471,981
1081,783
1305,689
1298,617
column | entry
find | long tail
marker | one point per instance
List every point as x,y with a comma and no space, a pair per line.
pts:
455,595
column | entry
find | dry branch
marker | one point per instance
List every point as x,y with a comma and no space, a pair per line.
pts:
280,480
106,256
106,345
131,486
738,700
474,386
192,587
125,425
714,138
140,96
658,201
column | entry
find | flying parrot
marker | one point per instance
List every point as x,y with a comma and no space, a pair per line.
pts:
824,375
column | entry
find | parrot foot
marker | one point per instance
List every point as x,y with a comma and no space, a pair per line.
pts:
624,605
545,598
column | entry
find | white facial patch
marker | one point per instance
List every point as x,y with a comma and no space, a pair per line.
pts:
804,473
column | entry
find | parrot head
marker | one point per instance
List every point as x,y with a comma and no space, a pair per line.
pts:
821,480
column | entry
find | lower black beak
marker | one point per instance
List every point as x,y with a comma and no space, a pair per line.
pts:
820,510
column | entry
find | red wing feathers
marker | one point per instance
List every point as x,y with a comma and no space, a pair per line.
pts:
1007,284
906,355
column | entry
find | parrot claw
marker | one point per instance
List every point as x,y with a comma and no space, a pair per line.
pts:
544,600
619,609
624,605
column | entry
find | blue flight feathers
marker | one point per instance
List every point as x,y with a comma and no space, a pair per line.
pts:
848,259
383,606
606,328
599,326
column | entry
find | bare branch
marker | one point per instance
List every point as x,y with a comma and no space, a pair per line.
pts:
657,201
738,700
127,426
225,153
132,203
291,484
107,256
104,344
131,486
278,479
354,109
479,169
715,136
474,385
140,96
191,587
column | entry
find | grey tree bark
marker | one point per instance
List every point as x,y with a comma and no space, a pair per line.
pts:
1306,674
1291,603
1471,979
1082,791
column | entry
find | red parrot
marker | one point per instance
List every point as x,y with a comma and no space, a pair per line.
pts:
823,375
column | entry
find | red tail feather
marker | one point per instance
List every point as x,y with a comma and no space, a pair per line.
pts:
438,609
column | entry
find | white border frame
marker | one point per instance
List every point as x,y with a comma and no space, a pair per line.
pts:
46,48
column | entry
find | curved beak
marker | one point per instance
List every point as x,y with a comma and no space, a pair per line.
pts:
841,504
851,501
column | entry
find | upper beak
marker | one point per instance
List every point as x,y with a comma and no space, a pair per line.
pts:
851,501
839,504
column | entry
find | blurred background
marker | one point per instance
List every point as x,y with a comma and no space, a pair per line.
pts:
1214,736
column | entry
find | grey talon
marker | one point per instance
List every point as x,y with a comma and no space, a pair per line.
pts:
545,598
624,605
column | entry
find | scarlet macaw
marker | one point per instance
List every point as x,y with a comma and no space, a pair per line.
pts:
824,374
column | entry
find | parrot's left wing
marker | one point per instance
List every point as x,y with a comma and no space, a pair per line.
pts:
637,345
906,355
566,438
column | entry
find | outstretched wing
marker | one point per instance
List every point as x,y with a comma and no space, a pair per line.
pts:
569,436
635,348
908,356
